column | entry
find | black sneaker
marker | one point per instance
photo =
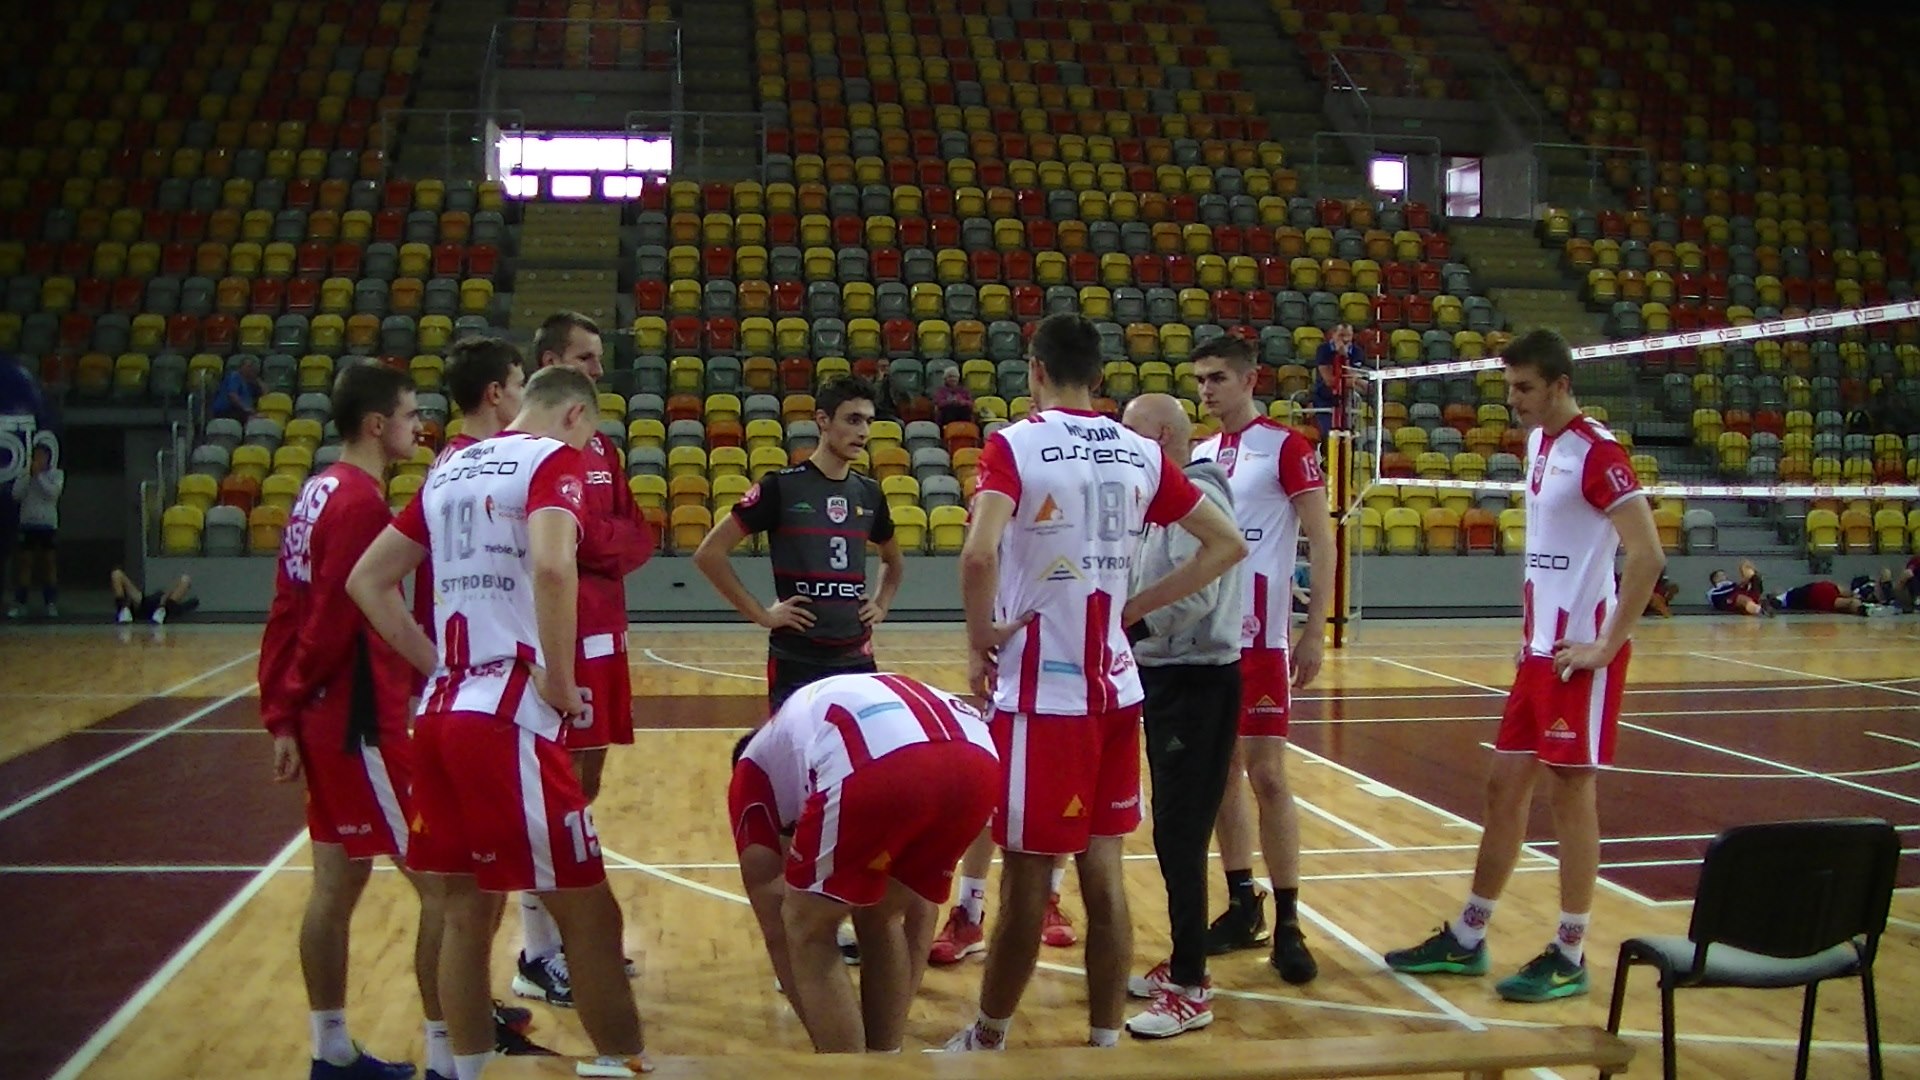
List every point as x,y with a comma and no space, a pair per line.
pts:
513,1016
509,1041
1239,927
545,980
1291,957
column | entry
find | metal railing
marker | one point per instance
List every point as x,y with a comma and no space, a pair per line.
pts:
1375,143
1593,157
466,140
592,45
1340,81
694,132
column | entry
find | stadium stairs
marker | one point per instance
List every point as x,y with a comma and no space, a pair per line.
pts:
457,49
568,261
1288,98
716,40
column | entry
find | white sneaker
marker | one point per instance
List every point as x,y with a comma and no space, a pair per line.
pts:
609,1066
1172,1011
53,611
124,615
16,612
1876,611
1159,977
160,615
974,1038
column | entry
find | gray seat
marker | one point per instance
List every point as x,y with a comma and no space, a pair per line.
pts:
1779,905
921,434
646,407
226,531
1701,532
264,432
802,435
224,434
938,491
930,461
686,433
646,461
1503,467
759,407
434,408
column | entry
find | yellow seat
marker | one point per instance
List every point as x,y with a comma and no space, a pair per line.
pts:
1442,527
946,529
198,490
690,525
726,461
910,527
649,491
402,489
1823,532
180,528
900,490
1513,531
1402,527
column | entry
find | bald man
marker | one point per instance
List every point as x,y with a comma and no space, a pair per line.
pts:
1189,655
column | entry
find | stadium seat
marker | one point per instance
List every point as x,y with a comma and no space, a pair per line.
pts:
910,528
690,525
1441,526
1513,531
1402,527
946,528
1822,532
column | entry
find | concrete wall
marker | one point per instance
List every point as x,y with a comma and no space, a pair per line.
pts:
671,590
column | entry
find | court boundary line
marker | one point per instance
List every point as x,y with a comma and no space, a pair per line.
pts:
28,801
117,1023
1716,748
1842,680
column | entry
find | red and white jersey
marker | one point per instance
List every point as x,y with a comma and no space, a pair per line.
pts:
472,518
1574,480
1267,465
1084,490
423,577
826,731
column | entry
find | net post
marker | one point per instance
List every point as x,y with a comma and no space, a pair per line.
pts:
1340,460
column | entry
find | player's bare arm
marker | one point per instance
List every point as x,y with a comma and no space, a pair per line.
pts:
552,535
762,874
1220,547
714,560
1310,647
893,569
374,585
979,580
1633,520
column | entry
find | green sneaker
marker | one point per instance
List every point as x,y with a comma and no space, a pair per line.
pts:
1441,954
1546,977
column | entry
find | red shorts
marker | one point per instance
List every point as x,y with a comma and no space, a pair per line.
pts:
600,667
1066,779
501,803
908,816
1266,693
1563,723
361,800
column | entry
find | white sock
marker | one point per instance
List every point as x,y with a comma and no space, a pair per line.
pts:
1103,1037
1470,929
973,897
1571,939
1058,877
469,1066
439,1049
331,1043
987,1025
539,937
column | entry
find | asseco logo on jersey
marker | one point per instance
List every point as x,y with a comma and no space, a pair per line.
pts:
837,509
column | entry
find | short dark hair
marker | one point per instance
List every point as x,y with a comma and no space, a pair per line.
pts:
740,748
1235,352
1714,576
363,390
844,389
1545,351
1068,347
475,363
557,385
553,334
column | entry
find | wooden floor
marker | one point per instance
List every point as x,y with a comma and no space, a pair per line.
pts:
143,847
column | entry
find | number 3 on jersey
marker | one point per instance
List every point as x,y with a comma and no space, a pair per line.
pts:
838,559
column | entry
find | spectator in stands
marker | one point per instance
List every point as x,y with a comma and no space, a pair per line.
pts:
239,392
1335,353
1906,585
37,493
886,401
1746,596
131,602
1890,412
951,401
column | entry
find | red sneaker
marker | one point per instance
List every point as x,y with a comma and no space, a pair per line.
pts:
1057,930
959,939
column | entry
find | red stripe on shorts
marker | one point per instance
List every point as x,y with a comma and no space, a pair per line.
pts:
1098,657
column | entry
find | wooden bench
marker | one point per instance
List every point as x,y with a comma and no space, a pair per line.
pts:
1479,1055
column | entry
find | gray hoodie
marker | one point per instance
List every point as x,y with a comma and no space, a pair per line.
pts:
1203,628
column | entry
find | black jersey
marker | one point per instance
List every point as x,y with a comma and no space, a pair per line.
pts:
817,532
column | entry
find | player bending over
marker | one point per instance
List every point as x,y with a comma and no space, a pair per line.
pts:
858,795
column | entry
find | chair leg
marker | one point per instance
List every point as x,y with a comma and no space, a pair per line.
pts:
1669,1064
1619,999
1806,1032
1873,1023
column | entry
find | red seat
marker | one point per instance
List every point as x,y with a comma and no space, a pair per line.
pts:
796,374
684,335
1029,302
1387,313
783,229
449,260
129,296
1258,307
885,264
1229,306
217,333
1419,313
1016,267
346,260
899,337
649,297
90,295
1179,270
789,297
1083,268
1042,235
303,296
76,332
717,263
1148,270
984,267
723,335
269,296
183,333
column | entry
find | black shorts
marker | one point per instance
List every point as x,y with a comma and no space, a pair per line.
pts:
32,539
786,675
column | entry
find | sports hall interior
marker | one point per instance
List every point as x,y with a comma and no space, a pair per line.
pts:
190,185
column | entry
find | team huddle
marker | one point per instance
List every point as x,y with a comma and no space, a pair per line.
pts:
1116,577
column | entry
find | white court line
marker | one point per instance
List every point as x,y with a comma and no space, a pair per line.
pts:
1341,823
1716,748
157,982
135,694
1882,687
658,659
115,868
149,731
134,747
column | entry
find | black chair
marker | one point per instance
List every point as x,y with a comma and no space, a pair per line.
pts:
1787,904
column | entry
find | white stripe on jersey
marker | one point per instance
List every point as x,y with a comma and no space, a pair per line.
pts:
384,795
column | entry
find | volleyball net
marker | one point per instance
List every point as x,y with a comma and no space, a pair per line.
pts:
1809,424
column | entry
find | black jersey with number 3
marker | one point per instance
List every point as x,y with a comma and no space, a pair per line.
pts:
817,532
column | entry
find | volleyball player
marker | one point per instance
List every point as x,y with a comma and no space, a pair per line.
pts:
499,806
335,699
1062,499
1583,502
615,540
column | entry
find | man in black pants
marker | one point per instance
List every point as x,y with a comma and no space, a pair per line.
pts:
1189,654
